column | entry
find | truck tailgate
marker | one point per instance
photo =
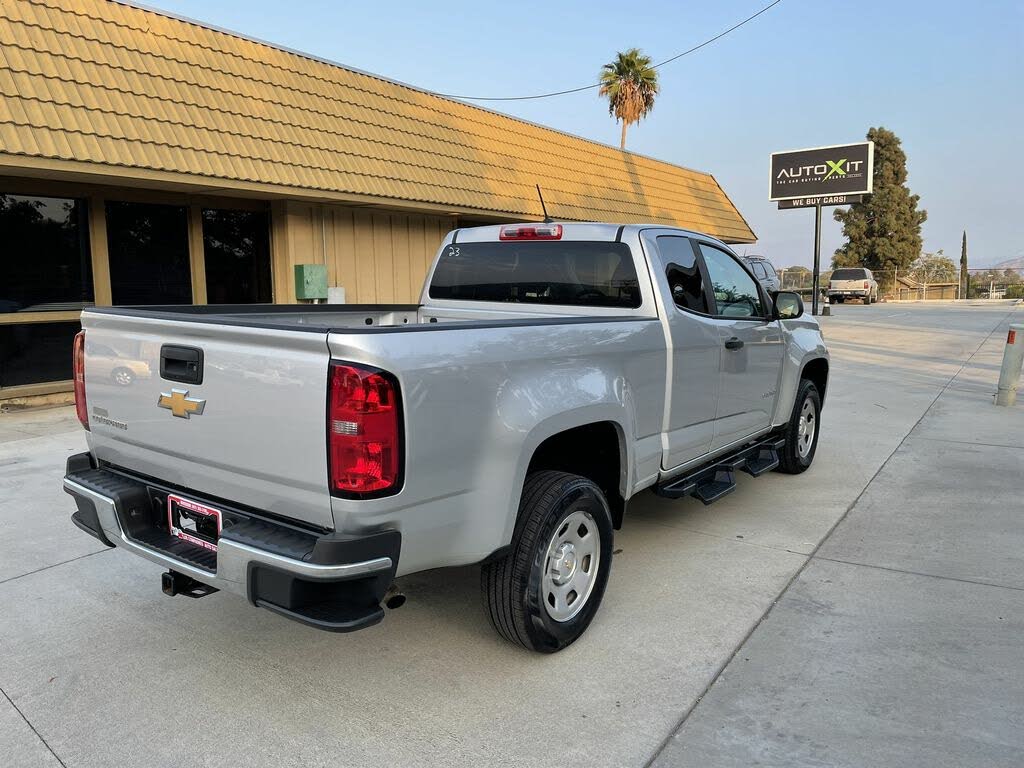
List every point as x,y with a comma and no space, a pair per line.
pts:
259,437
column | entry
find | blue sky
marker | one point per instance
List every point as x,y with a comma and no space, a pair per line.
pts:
947,77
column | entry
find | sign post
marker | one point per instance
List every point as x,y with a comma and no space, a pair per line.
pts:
820,177
816,277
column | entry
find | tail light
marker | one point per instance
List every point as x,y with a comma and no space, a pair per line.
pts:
866,283
364,439
531,232
78,369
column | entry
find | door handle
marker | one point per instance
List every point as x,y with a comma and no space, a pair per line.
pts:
734,343
184,364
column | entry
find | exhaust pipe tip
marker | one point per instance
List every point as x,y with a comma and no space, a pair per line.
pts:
393,598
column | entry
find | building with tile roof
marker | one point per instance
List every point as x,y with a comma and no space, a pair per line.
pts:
164,161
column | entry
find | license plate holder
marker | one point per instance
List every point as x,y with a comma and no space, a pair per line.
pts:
193,522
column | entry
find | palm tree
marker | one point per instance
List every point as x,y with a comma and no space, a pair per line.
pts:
630,83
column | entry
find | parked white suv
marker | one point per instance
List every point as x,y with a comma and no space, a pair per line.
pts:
852,283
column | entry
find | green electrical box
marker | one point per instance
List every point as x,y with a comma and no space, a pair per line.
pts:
310,281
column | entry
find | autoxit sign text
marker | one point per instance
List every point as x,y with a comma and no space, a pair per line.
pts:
839,170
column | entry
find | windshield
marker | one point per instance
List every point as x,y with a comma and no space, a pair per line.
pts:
849,274
582,274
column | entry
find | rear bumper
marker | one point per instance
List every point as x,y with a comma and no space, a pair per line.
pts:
331,581
858,293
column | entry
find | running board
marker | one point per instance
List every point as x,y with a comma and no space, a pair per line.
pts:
716,479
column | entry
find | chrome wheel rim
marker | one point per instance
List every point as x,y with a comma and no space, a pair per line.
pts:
570,566
806,429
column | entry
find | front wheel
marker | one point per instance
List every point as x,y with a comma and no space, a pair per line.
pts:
545,592
802,430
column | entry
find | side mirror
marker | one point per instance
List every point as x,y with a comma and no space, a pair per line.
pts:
788,305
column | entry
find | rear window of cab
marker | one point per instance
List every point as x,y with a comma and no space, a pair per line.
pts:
849,274
582,274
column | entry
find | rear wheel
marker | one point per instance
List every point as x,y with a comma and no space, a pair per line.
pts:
802,430
545,592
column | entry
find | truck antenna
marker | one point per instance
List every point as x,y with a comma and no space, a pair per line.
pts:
547,219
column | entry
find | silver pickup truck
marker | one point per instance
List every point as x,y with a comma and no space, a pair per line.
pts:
304,457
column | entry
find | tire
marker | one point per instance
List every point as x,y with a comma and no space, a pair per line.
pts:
867,300
798,453
519,589
839,299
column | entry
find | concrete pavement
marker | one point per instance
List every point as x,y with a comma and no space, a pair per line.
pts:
901,641
98,668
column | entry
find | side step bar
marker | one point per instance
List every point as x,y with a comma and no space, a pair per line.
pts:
716,479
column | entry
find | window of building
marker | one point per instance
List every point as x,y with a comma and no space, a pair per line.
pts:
34,353
149,257
736,293
683,273
236,248
44,254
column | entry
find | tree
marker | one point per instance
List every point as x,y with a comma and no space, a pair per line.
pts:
933,268
884,231
630,84
965,278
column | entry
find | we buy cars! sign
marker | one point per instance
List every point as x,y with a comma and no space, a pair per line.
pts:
844,169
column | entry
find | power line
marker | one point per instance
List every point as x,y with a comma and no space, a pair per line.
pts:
707,42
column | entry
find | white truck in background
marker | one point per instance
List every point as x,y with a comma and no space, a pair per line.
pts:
852,283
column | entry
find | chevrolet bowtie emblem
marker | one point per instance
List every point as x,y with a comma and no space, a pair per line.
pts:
180,404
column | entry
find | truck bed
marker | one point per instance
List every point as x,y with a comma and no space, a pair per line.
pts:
474,383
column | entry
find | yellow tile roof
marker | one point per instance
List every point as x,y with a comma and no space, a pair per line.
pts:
113,84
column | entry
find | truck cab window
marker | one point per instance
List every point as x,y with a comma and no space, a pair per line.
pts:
683,274
570,273
736,293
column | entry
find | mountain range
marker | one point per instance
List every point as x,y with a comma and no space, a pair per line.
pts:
1017,263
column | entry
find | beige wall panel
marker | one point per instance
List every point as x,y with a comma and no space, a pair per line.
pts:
334,222
401,264
366,278
418,240
196,253
345,253
383,260
378,257
280,255
98,250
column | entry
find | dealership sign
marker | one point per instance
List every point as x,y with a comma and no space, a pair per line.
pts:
845,169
